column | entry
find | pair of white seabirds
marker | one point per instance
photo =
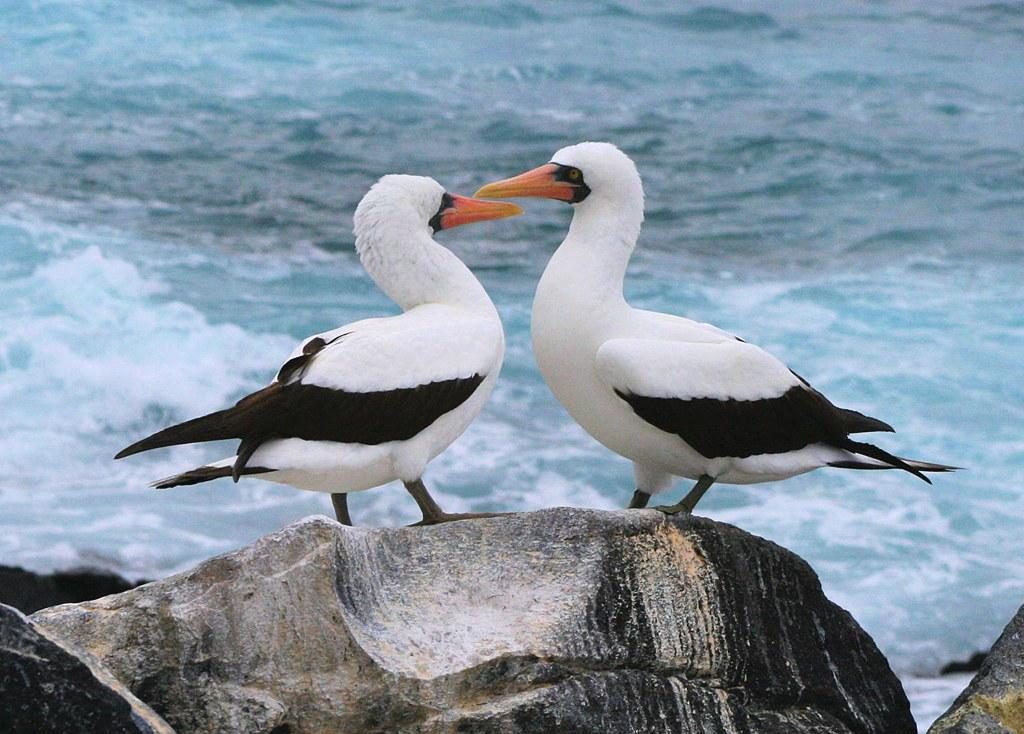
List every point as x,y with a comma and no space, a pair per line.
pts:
376,400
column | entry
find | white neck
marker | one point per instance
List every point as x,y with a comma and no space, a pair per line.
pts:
589,266
413,270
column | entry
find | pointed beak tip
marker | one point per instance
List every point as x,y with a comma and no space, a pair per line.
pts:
466,210
540,182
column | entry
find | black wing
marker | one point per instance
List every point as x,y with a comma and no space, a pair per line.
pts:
739,428
317,413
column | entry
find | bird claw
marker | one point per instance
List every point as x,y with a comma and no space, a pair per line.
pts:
454,516
673,509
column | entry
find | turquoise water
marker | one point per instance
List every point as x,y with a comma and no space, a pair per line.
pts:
842,184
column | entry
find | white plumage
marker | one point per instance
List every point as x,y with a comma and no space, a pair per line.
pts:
375,400
427,343
722,370
677,397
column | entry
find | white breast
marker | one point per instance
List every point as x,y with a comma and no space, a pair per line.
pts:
569,325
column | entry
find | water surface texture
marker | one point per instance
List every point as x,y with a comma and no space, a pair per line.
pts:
840,183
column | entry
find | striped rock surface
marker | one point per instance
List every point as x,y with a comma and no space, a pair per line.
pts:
562,620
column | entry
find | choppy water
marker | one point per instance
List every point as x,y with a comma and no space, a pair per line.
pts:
840,183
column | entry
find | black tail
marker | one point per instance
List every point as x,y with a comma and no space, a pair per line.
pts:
890,461
203,474
212,427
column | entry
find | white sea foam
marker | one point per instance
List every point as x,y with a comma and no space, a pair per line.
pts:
930,697
92,352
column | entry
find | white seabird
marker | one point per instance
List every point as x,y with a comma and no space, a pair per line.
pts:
375,400
677,397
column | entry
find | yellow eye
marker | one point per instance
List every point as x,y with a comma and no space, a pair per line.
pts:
574,174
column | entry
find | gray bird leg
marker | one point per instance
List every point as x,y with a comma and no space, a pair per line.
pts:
432,512
340,502
690,500
639,501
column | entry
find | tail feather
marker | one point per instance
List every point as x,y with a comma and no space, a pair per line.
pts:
884,460
931,467
204,474
211,427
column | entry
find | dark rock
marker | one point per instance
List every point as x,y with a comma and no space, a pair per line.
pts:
993,702
971,665
30,591
45,689
566,621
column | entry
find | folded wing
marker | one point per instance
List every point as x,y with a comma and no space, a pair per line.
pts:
726,398
371,382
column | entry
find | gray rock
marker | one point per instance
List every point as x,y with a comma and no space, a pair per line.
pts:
45,689
30,591
554,621
993,702
969,665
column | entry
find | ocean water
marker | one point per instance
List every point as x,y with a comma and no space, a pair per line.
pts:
841,183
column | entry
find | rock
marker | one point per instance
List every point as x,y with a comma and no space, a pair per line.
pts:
993,702
30,592
45,689
970,665
563,620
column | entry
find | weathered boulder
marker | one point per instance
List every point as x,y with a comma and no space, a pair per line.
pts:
993,702
555,621
44,689
30,591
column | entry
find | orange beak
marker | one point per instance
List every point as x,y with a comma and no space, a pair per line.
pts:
540,182
465,210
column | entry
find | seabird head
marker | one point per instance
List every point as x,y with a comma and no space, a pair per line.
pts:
576,174
399,202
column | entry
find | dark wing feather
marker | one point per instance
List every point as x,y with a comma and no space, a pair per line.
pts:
245,450
211,427
739,428
318,413
855,422
204,474
310,349
867,449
